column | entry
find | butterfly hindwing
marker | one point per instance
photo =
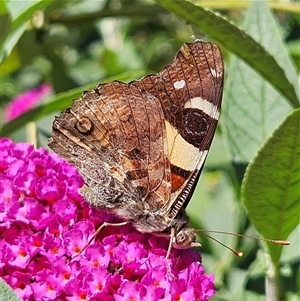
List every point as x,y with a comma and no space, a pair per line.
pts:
115,136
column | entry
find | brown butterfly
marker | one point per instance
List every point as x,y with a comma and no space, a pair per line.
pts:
141,146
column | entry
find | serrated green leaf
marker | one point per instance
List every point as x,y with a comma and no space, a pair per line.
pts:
6,292
271,187
58,103
252,107
238,42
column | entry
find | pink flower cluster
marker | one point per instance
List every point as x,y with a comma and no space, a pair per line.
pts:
26,101
45,224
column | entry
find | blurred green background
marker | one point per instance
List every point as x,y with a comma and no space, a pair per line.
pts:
74,45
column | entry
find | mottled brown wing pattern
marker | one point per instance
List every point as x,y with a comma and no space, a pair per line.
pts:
140,146
115,136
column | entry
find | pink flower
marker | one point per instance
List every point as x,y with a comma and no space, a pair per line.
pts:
45,226
26,101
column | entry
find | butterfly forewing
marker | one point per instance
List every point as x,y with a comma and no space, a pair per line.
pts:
190,92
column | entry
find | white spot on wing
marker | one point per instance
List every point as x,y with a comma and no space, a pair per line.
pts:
215,73
179,84
182,153
205,106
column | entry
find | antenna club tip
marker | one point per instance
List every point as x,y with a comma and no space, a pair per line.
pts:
283,242
279,241
239,253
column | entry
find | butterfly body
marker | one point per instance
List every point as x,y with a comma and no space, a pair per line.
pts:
141,146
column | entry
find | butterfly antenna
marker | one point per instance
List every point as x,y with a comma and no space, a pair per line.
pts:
239,253
235,252
275,241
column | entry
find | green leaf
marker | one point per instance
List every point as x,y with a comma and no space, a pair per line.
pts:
238,42
252,107
5,21
6,292
3,8
25,11
11,63
270,189
58,103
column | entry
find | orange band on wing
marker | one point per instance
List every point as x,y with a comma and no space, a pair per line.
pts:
177,181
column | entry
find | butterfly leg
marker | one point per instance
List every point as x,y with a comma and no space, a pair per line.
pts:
100,228
172,235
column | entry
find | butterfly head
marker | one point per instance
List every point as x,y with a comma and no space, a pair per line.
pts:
185,238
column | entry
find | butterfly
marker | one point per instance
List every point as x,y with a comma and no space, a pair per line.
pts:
141,146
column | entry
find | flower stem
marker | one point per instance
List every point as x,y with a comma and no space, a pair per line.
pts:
273,283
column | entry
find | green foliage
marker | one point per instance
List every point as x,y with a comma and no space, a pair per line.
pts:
6,293
254,107
271,184
238,42
75,45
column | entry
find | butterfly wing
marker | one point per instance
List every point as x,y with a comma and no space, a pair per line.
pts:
190,92
115,136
